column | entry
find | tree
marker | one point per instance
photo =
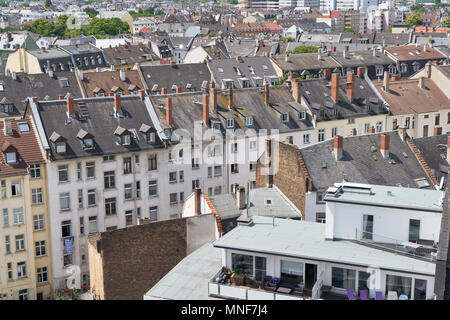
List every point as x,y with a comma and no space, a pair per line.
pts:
413,20
92,13
303,49
349,30
287,39
389,30
48,3
3,3
446,22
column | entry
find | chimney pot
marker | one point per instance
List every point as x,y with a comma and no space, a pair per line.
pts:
60,97
384,145
163,91
335,87
178,90
338,147
327,73
169,111
122,75
206,109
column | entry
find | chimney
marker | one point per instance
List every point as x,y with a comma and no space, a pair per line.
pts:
70,105
80,74
197,198
266,93
395,77
213,94
372,129
169,111
384,145
122,74
42,49
425,47
117,107
437,131
50,73
327,73
230,98
386,81
422,83
163,91
374,51
319,54
428,69
268,148
206,109
350,85
178,90
240,197
60,97
346,48
142,94
14,75
335,87
338,147
402,132
344,54
360,71
448,149
296,90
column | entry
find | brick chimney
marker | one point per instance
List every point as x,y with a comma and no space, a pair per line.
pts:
60,97
266,93
335,87
70,106
428,69
213,94
448,149
437,131
178,90
350,85
327,73
372,129
421,83
338,147
117,106
197,198
169,111
395,77
296,90
142,94
386,81
360,71
163,90
206,109
384,145
230,98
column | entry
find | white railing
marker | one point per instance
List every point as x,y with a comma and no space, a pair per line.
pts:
316,290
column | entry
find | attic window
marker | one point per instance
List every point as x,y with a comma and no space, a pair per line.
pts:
268,202
2,87
64,82
248,121
422,183
265,67
23,127
230,123
302,115
60,147
11,158
220,70
125,139
284,117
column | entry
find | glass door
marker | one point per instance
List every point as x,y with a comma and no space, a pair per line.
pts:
414,230
367,227
260,268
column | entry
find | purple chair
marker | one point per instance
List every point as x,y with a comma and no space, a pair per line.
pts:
378,295
364,294
350,294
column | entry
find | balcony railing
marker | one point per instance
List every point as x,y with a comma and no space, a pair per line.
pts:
423,249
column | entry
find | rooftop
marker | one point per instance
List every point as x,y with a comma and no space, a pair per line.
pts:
413,53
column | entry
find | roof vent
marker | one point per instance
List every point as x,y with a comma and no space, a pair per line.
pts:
323,164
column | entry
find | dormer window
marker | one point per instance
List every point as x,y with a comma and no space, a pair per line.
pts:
216,126
230,123
86,138
248,121
125,139
59,141
60,147
245,83
11,158
149,133
258,81
284,117
302,115
64,82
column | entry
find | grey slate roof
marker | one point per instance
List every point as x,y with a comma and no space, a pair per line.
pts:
36,85
305,61
434,152
165,76
362,58
100,123
359,164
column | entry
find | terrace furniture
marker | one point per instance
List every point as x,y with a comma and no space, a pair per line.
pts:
392,295
403,297
350,294
284,290
378,295
288,282
364,294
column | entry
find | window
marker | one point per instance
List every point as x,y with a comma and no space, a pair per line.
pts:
20,242
128,191
42,275
302,115
248,121
209,172
217,190
60,147
293,270
210,192
138,189
153,213
306,139
379,127
181,175
68,259
109,179
437,119
91,197
111,228
334,131
125,139
11,158
93,224
243,263
79,173
321,135
195,163
81,225
367,227
379,71
253,145
63,173
173,198
234,168
38,222
230,123
320,195
195,184
40,248
153,188
151,137
16,189
36,195
5,217
363,280
218,171
21,269
401,285
414,230
448,118
10,271
284,117
3,190
351,121
252,165
8,244
343,278
152,164
404,68
90,169
64,201
108,158
128,217
126,165
66,228
366,127
420,288
181,196
320,217
173,177
35,171
110,206
18,216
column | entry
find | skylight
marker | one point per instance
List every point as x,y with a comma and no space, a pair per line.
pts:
23,127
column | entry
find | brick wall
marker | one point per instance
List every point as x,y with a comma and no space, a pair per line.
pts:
290,178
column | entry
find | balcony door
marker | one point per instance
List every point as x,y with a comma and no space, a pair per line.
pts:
414,230
260,268
310,275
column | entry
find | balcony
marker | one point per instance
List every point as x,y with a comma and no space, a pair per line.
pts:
222,286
